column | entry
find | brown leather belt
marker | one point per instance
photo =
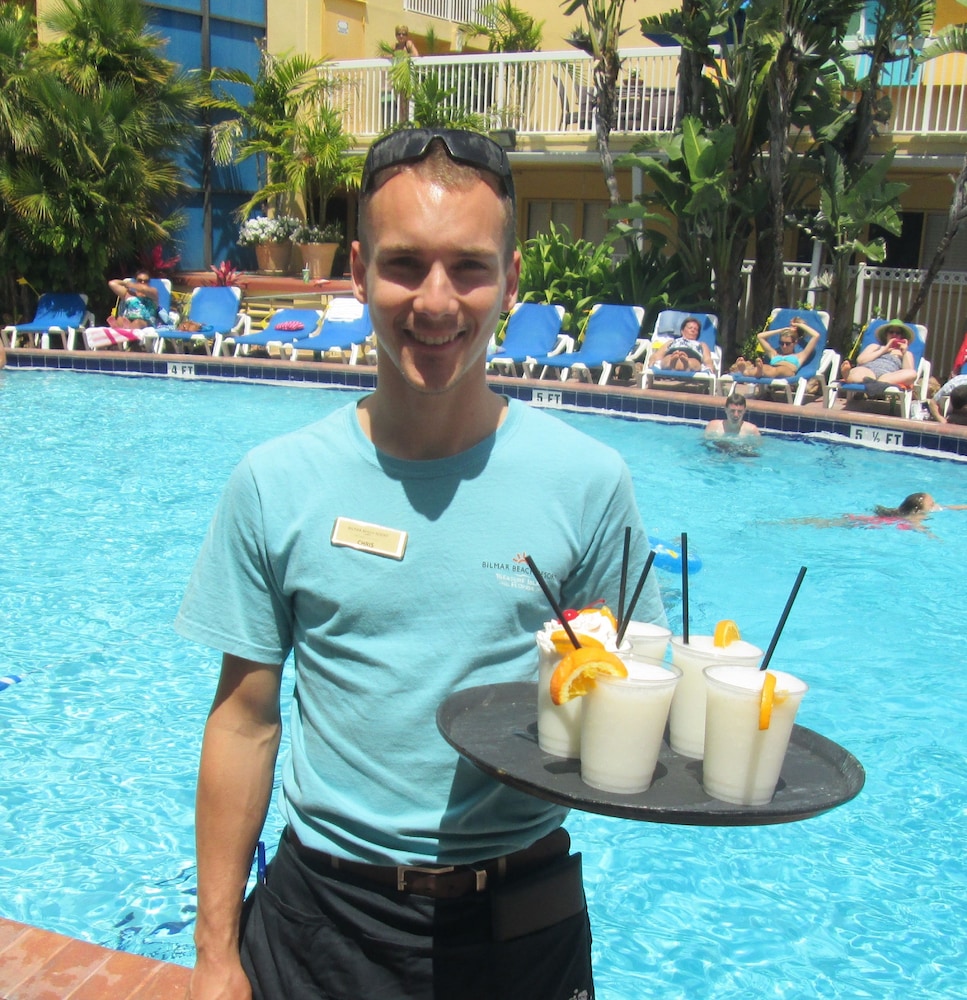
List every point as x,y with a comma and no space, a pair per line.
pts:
440,881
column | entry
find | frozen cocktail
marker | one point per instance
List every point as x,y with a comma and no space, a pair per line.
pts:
559,726
686,721
648,641
749,719
623,725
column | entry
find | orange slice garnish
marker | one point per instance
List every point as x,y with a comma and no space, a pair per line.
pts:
604,610
726,632
574,675
766,700
563,644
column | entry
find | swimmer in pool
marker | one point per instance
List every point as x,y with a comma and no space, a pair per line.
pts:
909,516
734,432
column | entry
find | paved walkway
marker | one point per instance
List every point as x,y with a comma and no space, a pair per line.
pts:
40,965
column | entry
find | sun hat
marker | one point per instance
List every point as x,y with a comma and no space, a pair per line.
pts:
898,328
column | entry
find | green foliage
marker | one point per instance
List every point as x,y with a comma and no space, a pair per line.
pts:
507,28
576,274
434,107
90,126
287,123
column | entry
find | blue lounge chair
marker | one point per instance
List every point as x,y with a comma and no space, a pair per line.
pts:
668,326
819,365
59,314
612,336
215,307
284,327
533,329
345,327
919,387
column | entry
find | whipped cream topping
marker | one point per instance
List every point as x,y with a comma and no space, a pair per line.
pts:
589,622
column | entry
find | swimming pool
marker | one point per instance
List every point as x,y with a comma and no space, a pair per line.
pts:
107,488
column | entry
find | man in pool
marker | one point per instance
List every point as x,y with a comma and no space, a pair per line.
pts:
385,548
726,434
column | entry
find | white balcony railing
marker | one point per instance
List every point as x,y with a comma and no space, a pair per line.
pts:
550,93
532,92
457,11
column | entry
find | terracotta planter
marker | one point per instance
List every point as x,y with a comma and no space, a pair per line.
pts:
318,257
274,258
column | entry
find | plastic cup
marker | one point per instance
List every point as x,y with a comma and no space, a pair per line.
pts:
558,726
742,762
648,641
686,721
623,725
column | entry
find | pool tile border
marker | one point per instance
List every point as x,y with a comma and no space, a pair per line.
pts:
873,430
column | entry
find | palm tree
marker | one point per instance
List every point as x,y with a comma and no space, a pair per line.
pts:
92,178
600,40
255,127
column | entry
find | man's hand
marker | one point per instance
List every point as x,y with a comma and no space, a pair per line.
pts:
218,982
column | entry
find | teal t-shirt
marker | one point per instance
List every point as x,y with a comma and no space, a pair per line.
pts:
380,642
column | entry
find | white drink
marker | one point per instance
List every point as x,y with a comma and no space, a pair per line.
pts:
648,641
742,761
686,721
623,725
558,726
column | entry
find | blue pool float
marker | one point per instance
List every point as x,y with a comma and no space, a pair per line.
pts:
669,556
9,681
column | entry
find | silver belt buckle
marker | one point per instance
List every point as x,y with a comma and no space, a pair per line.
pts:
403,870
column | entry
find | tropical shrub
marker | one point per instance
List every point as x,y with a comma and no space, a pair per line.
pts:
576,274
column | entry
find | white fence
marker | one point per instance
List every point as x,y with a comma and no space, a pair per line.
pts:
551,93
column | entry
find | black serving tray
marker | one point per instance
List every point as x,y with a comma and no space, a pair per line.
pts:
495,727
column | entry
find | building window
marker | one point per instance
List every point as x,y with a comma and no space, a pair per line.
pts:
584,219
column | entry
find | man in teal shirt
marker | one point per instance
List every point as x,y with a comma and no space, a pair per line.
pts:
384,547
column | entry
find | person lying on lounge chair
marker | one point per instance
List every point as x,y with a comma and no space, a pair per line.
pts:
888,362
956,389
686,353
788,359
138,306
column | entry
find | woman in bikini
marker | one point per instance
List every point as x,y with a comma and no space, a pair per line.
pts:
787,360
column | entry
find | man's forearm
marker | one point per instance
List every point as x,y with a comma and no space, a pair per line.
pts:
234,790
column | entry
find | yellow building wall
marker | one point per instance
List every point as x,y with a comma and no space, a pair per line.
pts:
358,27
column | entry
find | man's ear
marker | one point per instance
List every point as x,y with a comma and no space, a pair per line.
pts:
357,269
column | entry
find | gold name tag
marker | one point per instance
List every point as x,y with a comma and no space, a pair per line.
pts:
372,538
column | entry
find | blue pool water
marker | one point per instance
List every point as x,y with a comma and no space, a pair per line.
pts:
106,489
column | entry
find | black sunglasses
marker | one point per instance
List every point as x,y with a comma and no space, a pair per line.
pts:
409,145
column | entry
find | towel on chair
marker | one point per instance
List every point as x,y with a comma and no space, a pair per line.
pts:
107,336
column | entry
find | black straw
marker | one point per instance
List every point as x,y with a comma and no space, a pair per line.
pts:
626,621
625,555
782,620
685,587
559,614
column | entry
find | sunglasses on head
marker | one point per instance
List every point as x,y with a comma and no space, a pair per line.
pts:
410,145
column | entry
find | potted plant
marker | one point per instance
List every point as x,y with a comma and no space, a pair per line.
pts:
272,239
318,246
